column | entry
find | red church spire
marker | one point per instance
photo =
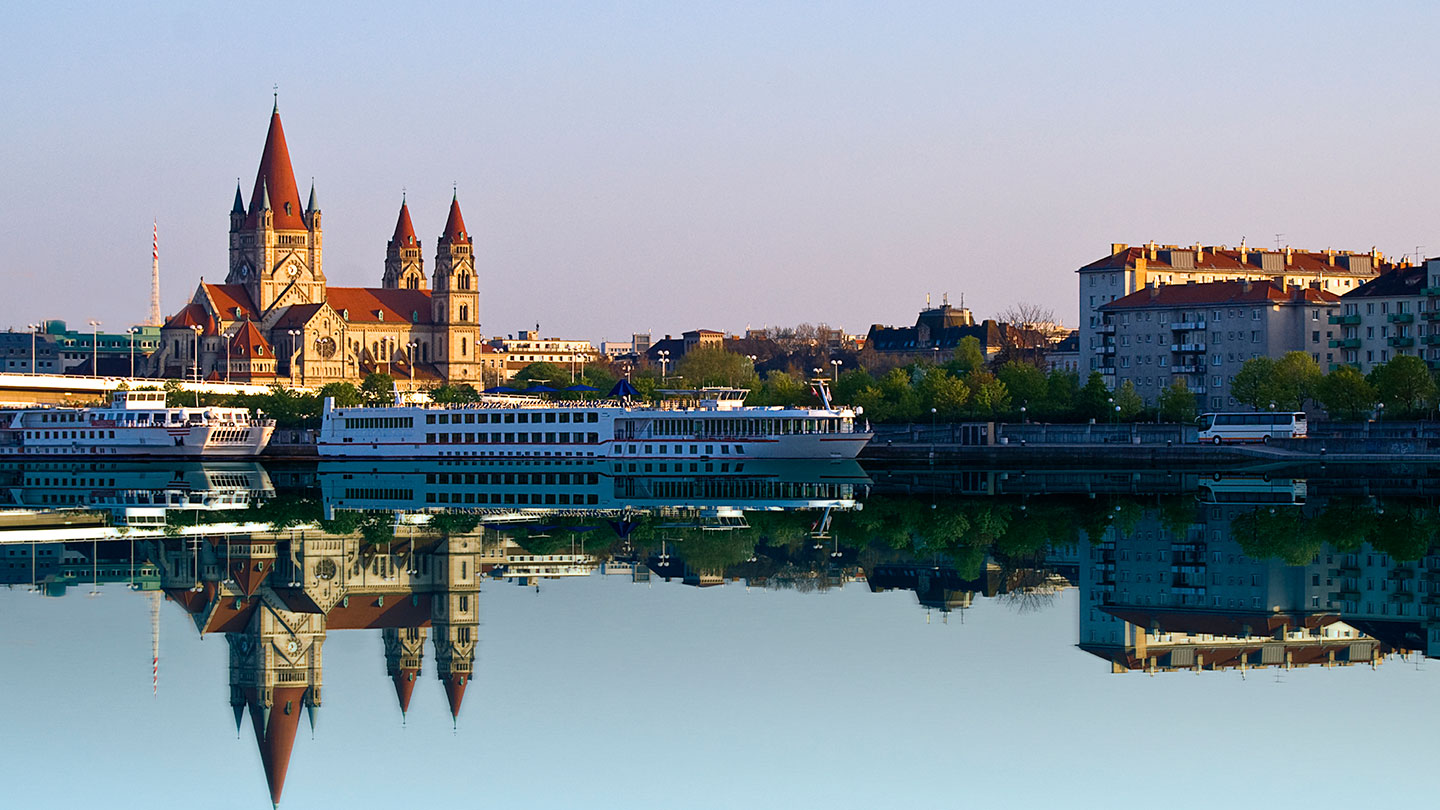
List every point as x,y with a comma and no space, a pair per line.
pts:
278,178
405,687
275,732
455,232
404,228
455,692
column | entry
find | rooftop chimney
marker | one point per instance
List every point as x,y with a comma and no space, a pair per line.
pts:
1118,247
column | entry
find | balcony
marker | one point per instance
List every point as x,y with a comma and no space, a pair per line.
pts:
1402,596
1107,349
1430,291
1186,326
1400,317
1403,573
1187,347
1345,320
1186,369
1345,343
1107,329
1334,366
1197,389
1349,596
1430,340
1402,342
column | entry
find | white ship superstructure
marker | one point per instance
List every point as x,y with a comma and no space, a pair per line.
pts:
712,423
135,423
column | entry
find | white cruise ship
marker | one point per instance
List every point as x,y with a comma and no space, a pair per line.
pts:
136,423
712,423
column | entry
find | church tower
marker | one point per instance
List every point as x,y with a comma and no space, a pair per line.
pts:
455,301
275,245
404,650
455,616
404,266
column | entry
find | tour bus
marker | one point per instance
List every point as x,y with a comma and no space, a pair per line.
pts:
1251,427
1252,489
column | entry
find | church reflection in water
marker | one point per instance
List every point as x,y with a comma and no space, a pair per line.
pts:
1174,571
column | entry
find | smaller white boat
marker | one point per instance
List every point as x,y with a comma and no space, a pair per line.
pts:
136,423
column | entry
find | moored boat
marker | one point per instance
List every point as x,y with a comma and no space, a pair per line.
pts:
135,423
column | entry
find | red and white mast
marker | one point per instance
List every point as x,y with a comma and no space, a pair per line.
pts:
155,275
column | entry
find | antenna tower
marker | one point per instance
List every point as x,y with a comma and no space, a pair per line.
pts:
155,275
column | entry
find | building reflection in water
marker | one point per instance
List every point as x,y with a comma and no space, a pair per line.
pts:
1175,571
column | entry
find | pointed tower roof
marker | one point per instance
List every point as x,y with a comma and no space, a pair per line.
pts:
239,206
275,733
249,343
248,574
404,229
455,232
312,206
455,692
405,687
278,177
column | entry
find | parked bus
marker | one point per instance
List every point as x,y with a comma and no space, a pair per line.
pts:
1252,489
1251,427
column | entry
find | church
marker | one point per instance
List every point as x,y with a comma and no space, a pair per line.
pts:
276,319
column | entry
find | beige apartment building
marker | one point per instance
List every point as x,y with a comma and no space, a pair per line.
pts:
1130,268
1387,317
1203,333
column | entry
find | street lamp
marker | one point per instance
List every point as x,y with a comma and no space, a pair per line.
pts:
1023,409
664,355
132,330
411,357
837,364
34,331
197,329
95,348
295,347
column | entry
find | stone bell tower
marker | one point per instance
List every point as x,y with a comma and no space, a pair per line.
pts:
455,302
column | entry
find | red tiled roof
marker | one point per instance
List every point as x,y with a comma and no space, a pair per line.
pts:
1218,293
1224,259
1219,624
248,574
404,230
405,687
297,315
277,741
249,343
229,297
455,691
277,178
363,612
191,315
455,232
394,306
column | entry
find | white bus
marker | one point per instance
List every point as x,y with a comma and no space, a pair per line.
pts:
1251,427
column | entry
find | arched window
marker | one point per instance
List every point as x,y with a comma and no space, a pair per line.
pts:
464,347
464,312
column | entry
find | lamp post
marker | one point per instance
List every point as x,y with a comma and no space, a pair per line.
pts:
411,357
132,330
837,364
295,347
34,332
95,348
664,355
197,329
1024,420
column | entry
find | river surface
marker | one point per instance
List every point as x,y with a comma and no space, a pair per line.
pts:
780,635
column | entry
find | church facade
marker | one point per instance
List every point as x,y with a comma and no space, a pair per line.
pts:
275,317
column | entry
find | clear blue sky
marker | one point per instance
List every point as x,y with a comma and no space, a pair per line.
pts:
667,166
600,693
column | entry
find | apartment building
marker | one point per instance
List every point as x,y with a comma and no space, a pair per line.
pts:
1129,269
1203,333
1395,314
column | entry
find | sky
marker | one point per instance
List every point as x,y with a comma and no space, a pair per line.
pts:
601,693
670,166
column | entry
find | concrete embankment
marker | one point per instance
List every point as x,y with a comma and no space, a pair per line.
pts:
1144,444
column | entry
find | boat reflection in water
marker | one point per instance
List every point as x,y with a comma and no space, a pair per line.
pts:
1175,572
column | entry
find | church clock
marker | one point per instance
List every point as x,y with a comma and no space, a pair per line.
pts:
325,346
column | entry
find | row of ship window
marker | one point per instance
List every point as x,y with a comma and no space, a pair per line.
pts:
513,438
507,417
633,449
512,478
513,498
72,434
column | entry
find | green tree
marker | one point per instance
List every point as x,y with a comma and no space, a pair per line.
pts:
988,396
1346,394
1284,384
1177,403
1404,384
712,365
1027,385
1128,401
939,389
850,384
549,374
1093,401
378,389
345,394
447,394
1062,393
968,356
1252,381
785,389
